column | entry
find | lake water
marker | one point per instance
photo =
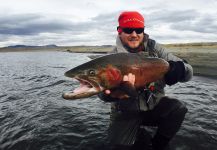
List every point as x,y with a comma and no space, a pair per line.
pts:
33,115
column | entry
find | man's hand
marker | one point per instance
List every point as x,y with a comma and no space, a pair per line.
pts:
127,78
176,72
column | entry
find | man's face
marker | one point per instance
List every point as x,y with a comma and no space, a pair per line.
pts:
132,40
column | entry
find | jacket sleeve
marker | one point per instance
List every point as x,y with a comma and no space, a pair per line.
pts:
161,52
106,98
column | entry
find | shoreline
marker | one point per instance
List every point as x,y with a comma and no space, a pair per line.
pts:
205,76
202,58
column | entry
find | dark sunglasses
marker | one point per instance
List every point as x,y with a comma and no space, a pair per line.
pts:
130,30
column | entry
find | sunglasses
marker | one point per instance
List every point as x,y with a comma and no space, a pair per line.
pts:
130,30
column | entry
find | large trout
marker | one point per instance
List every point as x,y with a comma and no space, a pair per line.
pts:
107,72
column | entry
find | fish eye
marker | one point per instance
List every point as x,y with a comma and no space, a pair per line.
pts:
91,72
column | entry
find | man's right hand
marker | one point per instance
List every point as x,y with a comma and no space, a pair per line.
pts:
121,94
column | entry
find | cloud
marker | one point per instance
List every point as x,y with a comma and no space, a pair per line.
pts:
183,20
171,16
105,21
202,24
66,29
31,24
35,28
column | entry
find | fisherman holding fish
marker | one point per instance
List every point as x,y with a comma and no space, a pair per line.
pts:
151,107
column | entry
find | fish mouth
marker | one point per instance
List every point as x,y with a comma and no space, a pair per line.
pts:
86,88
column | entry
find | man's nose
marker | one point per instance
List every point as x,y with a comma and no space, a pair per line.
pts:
133,33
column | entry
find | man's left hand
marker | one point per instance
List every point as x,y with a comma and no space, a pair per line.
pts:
176,72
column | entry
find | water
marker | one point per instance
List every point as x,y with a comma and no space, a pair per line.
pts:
34,116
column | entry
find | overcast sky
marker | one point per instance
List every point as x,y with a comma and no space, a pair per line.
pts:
94,22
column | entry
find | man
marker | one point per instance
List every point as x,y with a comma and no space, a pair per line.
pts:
151,107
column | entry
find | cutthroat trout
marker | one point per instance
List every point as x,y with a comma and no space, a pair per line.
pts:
107,72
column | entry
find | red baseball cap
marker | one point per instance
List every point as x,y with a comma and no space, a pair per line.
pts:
131,19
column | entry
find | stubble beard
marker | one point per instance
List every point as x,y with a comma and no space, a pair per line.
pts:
136,49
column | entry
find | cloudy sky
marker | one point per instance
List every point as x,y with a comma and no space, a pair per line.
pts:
93,22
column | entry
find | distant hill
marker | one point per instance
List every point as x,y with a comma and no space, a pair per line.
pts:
28,46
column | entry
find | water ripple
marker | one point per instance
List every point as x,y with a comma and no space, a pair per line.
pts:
46,86
34,116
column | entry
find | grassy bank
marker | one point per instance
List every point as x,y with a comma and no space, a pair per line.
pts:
202,56
73,49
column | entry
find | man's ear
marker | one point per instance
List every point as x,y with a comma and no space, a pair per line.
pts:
119,30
